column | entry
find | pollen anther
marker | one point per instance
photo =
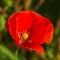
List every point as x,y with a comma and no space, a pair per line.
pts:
25,36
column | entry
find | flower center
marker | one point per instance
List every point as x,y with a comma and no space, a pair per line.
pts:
23,36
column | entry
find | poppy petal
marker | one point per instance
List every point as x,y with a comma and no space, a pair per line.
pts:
42,29
49,33
11,25
39,49
24,21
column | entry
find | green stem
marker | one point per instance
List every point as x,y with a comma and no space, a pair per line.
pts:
17,53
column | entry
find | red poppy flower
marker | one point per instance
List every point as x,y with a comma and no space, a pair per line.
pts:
29,30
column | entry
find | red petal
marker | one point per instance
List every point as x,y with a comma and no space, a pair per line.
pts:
39,49
12,26
49,33
19,22
24,21
27,46
42,29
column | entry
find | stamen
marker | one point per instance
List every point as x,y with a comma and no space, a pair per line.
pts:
23,36
19,34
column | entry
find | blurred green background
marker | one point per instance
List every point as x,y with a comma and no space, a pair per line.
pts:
48,8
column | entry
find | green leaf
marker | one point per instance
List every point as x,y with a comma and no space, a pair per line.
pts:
5,51
6,54
2,23
50,53
9,2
